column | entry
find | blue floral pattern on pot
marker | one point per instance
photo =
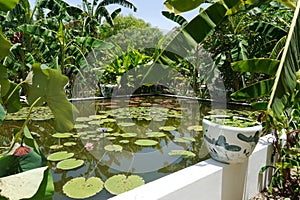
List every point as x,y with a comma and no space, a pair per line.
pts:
229,144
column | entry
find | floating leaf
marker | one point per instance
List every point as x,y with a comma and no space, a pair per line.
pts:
156,134
195,128
61,155
69,164
83,119
56,146
118,184
113,147
80,126
99,122
128,135
167,128
124,141
146,142
80,188
69,144
62,135
22,185
126,124
98,116
184,139
182,153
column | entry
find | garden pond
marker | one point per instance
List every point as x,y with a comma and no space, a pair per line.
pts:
150,136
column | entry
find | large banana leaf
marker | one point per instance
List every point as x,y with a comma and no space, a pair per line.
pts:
6,5
4,45
257,65
49,84
285,79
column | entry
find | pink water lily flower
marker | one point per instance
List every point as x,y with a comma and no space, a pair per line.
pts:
89,146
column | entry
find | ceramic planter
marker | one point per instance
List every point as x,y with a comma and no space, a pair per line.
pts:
107,90
230,144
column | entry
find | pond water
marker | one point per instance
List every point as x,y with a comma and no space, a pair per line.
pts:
147,136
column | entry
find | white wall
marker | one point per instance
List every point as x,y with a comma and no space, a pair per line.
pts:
210,180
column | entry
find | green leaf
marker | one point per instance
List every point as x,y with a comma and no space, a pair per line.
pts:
259,89
4,82
184,139
49,84
175,18
30,161
80,188
118,184
2,114
61,155
13,104
6,5
46,189
69,164
285,79
167,128
30,141
22,185
9,165
145,142
257,65
182,5
200,26
113,147
182,153
156,134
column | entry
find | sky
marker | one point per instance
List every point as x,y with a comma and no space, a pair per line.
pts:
147,10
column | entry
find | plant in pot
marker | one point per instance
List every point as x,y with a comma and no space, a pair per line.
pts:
230,138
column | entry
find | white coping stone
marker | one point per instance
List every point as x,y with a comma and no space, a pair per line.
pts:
209,180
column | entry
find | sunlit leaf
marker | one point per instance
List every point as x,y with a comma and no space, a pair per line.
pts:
62,135
182,153
80,188
145,142
184,139
22,185
6,5
61,155
167,128
156,134
2,114
69,164
257,65
113,147
183,5
49,84
120,183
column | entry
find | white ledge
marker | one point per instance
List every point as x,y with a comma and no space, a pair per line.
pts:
210,179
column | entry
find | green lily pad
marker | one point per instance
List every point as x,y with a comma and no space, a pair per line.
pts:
118,184
98,122
108,120
156,134
195,128
69,164
113,147
80,188
83,119
111,138
98,116
83,133
56,146
126,124
128,135
182,153
80,126
124,141
62,135
69,144
146,142
167,128
61,155
184,139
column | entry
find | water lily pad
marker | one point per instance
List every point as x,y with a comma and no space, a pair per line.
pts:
80,188
80,126
113,147
69,164
167,128
69,144
62,135
118,184
56,146
146,142
98,122
128,135
124,141
195,128
83,133
126,124
184,139
182,153
98,116
156,134
83,119
108,120
111,138
61,155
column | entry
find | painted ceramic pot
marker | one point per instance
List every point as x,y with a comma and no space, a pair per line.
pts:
230,144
